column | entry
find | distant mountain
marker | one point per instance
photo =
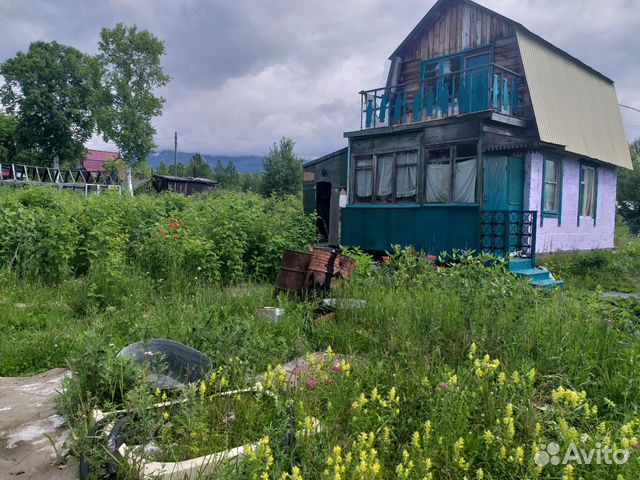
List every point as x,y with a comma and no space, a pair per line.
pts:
243,163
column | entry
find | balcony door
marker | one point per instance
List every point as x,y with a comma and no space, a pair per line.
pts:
478,72
503,183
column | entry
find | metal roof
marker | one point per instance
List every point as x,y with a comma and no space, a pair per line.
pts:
573,106
325,157
172,178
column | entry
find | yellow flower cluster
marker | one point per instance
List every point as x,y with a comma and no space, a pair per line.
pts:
275,378
628,434
294,475
568,397
485,367
261,458
391,400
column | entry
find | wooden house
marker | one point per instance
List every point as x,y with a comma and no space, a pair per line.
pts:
485,137
184,185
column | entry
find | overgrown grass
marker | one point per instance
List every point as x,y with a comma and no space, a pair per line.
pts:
459,371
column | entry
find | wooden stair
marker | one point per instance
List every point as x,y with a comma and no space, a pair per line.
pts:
539,277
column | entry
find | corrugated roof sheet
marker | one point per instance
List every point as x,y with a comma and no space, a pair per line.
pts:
572,105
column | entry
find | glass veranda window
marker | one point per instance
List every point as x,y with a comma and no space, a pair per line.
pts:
364,178
552,187
406,171
588,181
441,177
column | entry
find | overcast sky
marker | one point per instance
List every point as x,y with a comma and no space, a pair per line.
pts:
246,72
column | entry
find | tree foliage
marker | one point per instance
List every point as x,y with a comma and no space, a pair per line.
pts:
8,125
50,90
130,68
629,189
282,170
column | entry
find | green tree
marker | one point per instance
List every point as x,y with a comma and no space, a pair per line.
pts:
50,90
163,169
226,175
129,62
629,189
8,147
282,170
250,182
198,167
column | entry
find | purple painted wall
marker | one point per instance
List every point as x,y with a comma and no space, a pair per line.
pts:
568,235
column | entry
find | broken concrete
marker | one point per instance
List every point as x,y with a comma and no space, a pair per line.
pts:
27,418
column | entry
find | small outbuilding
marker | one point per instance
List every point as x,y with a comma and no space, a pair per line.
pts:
184,185
325,181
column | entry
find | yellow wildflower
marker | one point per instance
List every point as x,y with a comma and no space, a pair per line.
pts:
203,389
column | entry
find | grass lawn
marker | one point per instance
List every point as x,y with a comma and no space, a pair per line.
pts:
460,372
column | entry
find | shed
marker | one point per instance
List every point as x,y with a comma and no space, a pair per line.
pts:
325,178
184,185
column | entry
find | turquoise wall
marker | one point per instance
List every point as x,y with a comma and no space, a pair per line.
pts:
431,228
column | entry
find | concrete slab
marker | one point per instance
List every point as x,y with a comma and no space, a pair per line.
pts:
27,417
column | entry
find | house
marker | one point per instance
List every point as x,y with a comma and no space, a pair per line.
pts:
184,185
325,182
94,160
484,137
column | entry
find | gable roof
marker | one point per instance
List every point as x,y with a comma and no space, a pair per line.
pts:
574,105
94,159
440,5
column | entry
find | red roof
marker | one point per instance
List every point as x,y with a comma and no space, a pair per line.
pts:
94,159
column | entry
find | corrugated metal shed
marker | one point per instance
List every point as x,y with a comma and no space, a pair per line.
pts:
572,105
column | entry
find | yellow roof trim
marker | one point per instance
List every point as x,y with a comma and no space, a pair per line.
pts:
572,105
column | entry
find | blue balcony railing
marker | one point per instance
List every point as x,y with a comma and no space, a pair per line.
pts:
488,87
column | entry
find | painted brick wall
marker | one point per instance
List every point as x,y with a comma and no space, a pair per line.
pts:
568,235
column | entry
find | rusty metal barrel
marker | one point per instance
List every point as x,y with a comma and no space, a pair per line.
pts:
325,266
293,272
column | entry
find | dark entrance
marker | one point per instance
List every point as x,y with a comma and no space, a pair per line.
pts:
323,208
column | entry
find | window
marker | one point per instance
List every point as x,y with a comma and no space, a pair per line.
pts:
552,186
393,174
588,191
441,177
364,178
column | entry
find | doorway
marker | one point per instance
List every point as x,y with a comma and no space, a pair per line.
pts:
503,183
323,209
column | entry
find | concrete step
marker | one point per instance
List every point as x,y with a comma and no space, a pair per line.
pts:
518,264
533,274
548,283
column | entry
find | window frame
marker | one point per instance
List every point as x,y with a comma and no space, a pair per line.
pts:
375,199
454,159
559,162
581,185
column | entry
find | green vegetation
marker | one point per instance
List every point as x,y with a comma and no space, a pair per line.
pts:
629,189
451,369
282,170
50,90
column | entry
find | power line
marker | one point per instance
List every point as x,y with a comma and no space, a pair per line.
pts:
630,108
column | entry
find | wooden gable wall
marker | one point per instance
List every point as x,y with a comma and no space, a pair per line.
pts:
461,26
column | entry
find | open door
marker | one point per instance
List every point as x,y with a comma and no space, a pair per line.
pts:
323,209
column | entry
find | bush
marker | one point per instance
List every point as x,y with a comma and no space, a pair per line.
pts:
227,236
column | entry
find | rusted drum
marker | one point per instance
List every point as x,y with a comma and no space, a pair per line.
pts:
293,272
325,266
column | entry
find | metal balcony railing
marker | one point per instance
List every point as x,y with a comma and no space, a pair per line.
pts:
487,87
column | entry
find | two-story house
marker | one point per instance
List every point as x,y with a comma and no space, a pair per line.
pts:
487,137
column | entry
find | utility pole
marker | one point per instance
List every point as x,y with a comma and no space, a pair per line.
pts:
175,154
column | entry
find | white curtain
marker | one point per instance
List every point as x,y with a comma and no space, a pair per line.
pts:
364,183
406,168
464,183
588,191
438,182
364,176
385,175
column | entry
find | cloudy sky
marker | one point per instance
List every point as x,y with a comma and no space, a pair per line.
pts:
246,72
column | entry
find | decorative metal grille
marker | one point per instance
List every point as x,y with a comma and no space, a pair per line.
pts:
503,232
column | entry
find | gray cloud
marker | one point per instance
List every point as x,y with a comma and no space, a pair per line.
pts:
246,72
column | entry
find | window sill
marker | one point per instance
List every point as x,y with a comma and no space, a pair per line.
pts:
551,214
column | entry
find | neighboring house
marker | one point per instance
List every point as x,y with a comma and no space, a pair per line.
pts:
485,137
94,160
184,185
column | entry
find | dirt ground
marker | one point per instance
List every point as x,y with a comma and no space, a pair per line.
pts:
27,418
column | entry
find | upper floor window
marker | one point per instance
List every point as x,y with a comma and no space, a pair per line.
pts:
552,186
588,191
363,178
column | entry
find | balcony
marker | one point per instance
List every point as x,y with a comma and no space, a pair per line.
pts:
483,88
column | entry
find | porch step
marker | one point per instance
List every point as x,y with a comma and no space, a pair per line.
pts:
548,283
520,264
539,277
